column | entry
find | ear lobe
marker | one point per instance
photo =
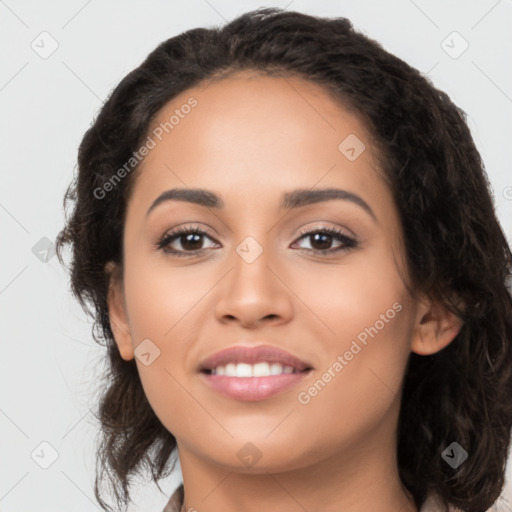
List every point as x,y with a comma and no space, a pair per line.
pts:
117,312
435,328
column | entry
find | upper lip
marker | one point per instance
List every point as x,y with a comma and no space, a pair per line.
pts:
253,355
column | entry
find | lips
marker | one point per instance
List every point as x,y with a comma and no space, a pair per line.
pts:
253,355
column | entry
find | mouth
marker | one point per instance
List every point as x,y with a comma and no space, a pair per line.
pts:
253,373
243,370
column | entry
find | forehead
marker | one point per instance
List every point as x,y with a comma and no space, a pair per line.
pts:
253,134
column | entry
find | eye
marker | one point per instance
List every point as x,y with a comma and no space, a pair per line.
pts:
324,237
191,241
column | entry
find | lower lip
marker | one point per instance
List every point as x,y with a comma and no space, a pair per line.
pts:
253,388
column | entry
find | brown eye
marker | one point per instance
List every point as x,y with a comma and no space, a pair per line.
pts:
190,240
322,239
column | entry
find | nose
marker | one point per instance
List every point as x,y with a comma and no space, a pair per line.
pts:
254,293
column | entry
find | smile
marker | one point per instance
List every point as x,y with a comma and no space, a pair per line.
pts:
263,369
253,388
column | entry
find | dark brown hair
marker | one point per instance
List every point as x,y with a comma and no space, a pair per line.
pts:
456,250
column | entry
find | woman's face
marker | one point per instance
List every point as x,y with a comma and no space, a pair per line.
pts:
253,279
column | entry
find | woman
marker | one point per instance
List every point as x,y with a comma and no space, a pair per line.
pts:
288,239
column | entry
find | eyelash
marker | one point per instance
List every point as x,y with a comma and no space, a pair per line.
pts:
348,242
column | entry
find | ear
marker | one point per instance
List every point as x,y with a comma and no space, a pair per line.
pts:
117,311
435,328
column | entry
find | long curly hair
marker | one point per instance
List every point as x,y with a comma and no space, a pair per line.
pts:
456,250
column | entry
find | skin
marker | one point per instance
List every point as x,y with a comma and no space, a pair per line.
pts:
250,139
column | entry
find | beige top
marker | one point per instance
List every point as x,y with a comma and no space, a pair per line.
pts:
431,504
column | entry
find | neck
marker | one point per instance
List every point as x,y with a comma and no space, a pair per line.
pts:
361,477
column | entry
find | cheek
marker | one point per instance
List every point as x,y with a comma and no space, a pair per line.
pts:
162,298
164,304
345,299
360,385
365,332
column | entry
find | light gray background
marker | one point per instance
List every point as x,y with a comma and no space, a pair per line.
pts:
49,362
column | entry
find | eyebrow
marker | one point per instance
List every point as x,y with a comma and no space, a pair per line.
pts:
294,199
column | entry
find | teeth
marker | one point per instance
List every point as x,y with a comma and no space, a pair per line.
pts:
252,370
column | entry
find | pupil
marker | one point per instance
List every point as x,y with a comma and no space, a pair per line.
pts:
327,238
189,240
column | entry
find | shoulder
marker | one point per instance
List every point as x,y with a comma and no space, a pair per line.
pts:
433,503
176,501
